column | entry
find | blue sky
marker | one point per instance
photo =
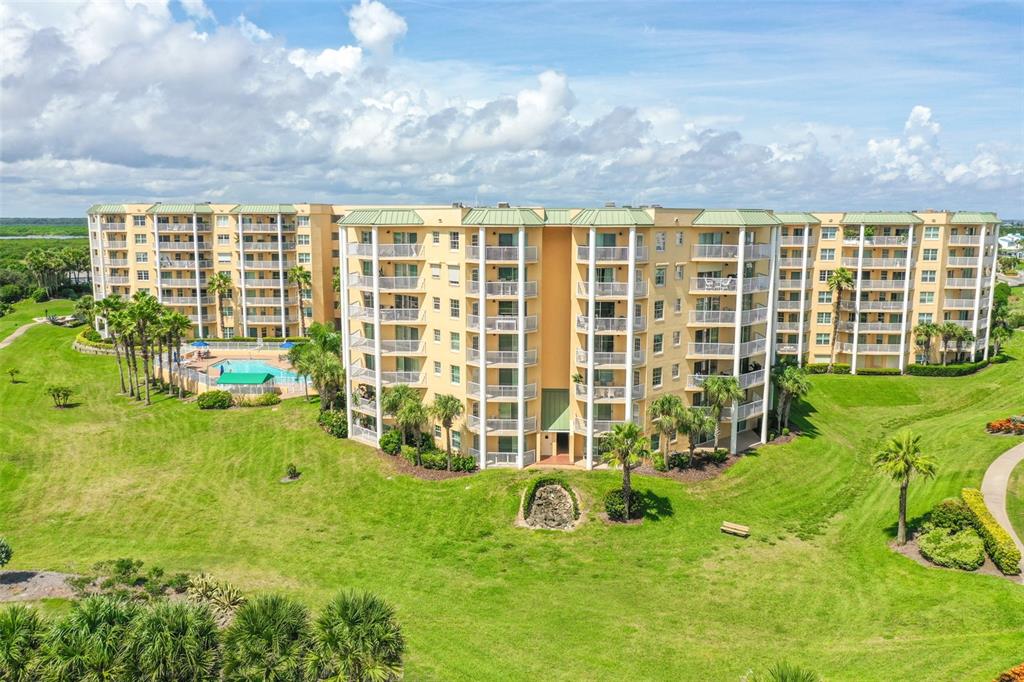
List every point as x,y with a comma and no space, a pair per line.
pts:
787,105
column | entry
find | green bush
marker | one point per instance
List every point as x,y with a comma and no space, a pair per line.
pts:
5,552
998,359
463,463
963,550
719,456
878,371
333,423
952,514
39,295
822,368
409,454
391,442
261,400
998,543
11,293
947,370
433,459
541,481
92,340
615,505
214,400
658,461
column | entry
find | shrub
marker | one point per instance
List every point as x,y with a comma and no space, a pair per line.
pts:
963,550
39,295
822,368
261,400
409,454
658,462
946,371
333,423
1014,425
214,400
952,514
85,338
878,371
178,582
1014,674
433,459
678,460
719,456
60,394
10,293
463,463
391,442
5,552
998,543
541,481
615,505
785,431
292,472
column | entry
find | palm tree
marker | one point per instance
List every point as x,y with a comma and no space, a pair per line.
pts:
410,418
303,279
145,311
998,336
720,392
21,632
839,281
125,330
88,643
394,397
695,423
106,308
268,641
963,336
790,382
174,641
447,408
219,286
160,335
899,459
665,414
321,367
357,638
948,331
923,334
85,309
626,447
178,325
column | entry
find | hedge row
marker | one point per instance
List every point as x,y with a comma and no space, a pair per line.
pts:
86,336
946,370
822,368
541,481
998,543
878,371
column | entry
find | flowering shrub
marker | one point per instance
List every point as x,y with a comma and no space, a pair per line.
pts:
1014,425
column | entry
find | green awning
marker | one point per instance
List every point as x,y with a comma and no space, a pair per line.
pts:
382,216
880,218
502,216
743,217
177,209
556,216
554,409
613,217
106,209
797,218
270,209
969,218
244,378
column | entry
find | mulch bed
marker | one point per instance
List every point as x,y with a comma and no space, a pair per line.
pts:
701,470
34,585
912,552
403,467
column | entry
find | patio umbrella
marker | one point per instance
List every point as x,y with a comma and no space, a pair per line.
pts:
200,344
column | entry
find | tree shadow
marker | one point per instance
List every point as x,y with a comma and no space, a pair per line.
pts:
68,406
15,577
914,525
655,507
799,417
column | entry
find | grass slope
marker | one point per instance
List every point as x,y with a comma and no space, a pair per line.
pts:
25,311
1015,499
672,598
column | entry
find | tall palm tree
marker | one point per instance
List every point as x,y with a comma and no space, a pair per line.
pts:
219,286
268,641
665,413
323,368
178,325
145,311
447,408
88,643
173,641
790,382
357,638
839,281
626,447
106,308
21,633
302,279
695,423
123,324
923,334
720,392
900,459
160,334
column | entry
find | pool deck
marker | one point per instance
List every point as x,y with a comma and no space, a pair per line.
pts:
277,358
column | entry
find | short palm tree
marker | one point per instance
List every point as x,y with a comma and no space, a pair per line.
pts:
839,281
963,337
721,391
410,418
900,459
302,279
446,409
173,641
85,310
998,336
948,332
219,286
790,382
268,641
394,398
923,335
21,633
626,446
357,638
665,414
178,325
695,423
88,643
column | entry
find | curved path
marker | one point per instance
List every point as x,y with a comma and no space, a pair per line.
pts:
993,489
20,330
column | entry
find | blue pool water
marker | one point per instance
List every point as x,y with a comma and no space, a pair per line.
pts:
280,375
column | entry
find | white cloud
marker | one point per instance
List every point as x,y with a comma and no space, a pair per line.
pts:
344,61
375,25
197,9
251,31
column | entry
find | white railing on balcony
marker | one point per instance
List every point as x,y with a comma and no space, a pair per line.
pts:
881,348
412,347
791,326
184,264
962,261
610,324
115,245
713,317
187,300
883,240
360,312
361,433
884,284
610,392
268,246
503,288
184,246
786,348
504,457
747,379
502,253
970,239
748,348
363,405
503,392
182,281
792,305
394,378
966,324
744,411
602,425
794,262
116,262
713,284
959,303
876,262
894,327
961,282
502,323
503,357
269,300
603,359
386,283
872,305
796,240
118,280
112,227
791,284
717,349
610,253
267,265
265,227
182,227
270,319
730,252
493,424
256,283
611,289
387,251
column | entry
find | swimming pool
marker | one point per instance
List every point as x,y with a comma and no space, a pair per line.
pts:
281,376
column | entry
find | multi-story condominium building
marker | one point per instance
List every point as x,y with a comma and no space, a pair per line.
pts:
552,325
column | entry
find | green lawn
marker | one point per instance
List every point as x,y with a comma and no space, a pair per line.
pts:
1015,499
672,598
25,311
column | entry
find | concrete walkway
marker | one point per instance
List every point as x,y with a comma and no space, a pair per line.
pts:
993,489
21,330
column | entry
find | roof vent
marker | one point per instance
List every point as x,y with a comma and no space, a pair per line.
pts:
609,204
504,204
456,204
655,205
627,206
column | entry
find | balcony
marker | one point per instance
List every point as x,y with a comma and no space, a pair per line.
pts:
270,319
885,284
181,281
792,305
503,393
507,358
183,227
114,245
796,240
265,228
711,350
610,324
387,251
185,264
502,254
747,380
791,326
730,252
272,247
872,348
605,360
884,263
268,283
727,318
184,246
388,346
266,265
610,254
745,411
601,426
961,282
387,315
270,300
503,289
116,262
502,324
387,378
728,284
118,280
386,283
786,348
187,300
503,457
503,426
890,240
360,404
112,227
363,434
794,262
755,347
890,327
959,303
872,305
965,239
610,393
616,290
795,284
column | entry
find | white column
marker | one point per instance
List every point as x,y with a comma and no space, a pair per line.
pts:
481,238
591,325
96,223
769,353
803,295
521,367
991,287
856,302
977,292
343,295
241,266
906,297
630,319
280,279
199,291
378,386
734,423
159,265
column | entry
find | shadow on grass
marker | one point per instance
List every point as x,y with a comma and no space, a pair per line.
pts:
799,417
655,506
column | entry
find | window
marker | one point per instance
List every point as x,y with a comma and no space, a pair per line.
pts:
679,272
223,239
142,257
435,237
927,275
437,303
828,233
139,221
437,367
223,257
678,306
931,232
140,239
142,275
453,275
824,318
930,254
453,241
437,430
927,297
435,271
454,307
659,276
437,336
828,254
822,339
305,257
302,221
456,341
824,275
676,338
675,371
456,440
659,241
456,374
656,377
659,310
655,442
308,311
824,297
679,237
924,318
222,221
302,239
659,343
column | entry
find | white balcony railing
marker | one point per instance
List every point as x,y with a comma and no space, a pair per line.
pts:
506,254
185,264
958,303
884,284
182,282
606,393
968,239
389,315
602,426
875,348
502,323
730,252
506,425
386,283
503,288
112,227
503,392
746,380
184,246
892,327
610,253
272,247
602,359
712,349
794,262
387,251
183,227
961,282
115,245
187,300
611,289
503,357
256,283
872,305
400,346
884,263
795,284
796,240
118,280
610,324
792,305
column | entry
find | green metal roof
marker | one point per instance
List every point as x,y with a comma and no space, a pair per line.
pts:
502,216
880,218
968,218
735,217
244,378
797,218
106,208
612,217
382,216
264,208
180,208
556,216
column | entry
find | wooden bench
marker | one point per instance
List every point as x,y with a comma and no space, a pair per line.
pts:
735,529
